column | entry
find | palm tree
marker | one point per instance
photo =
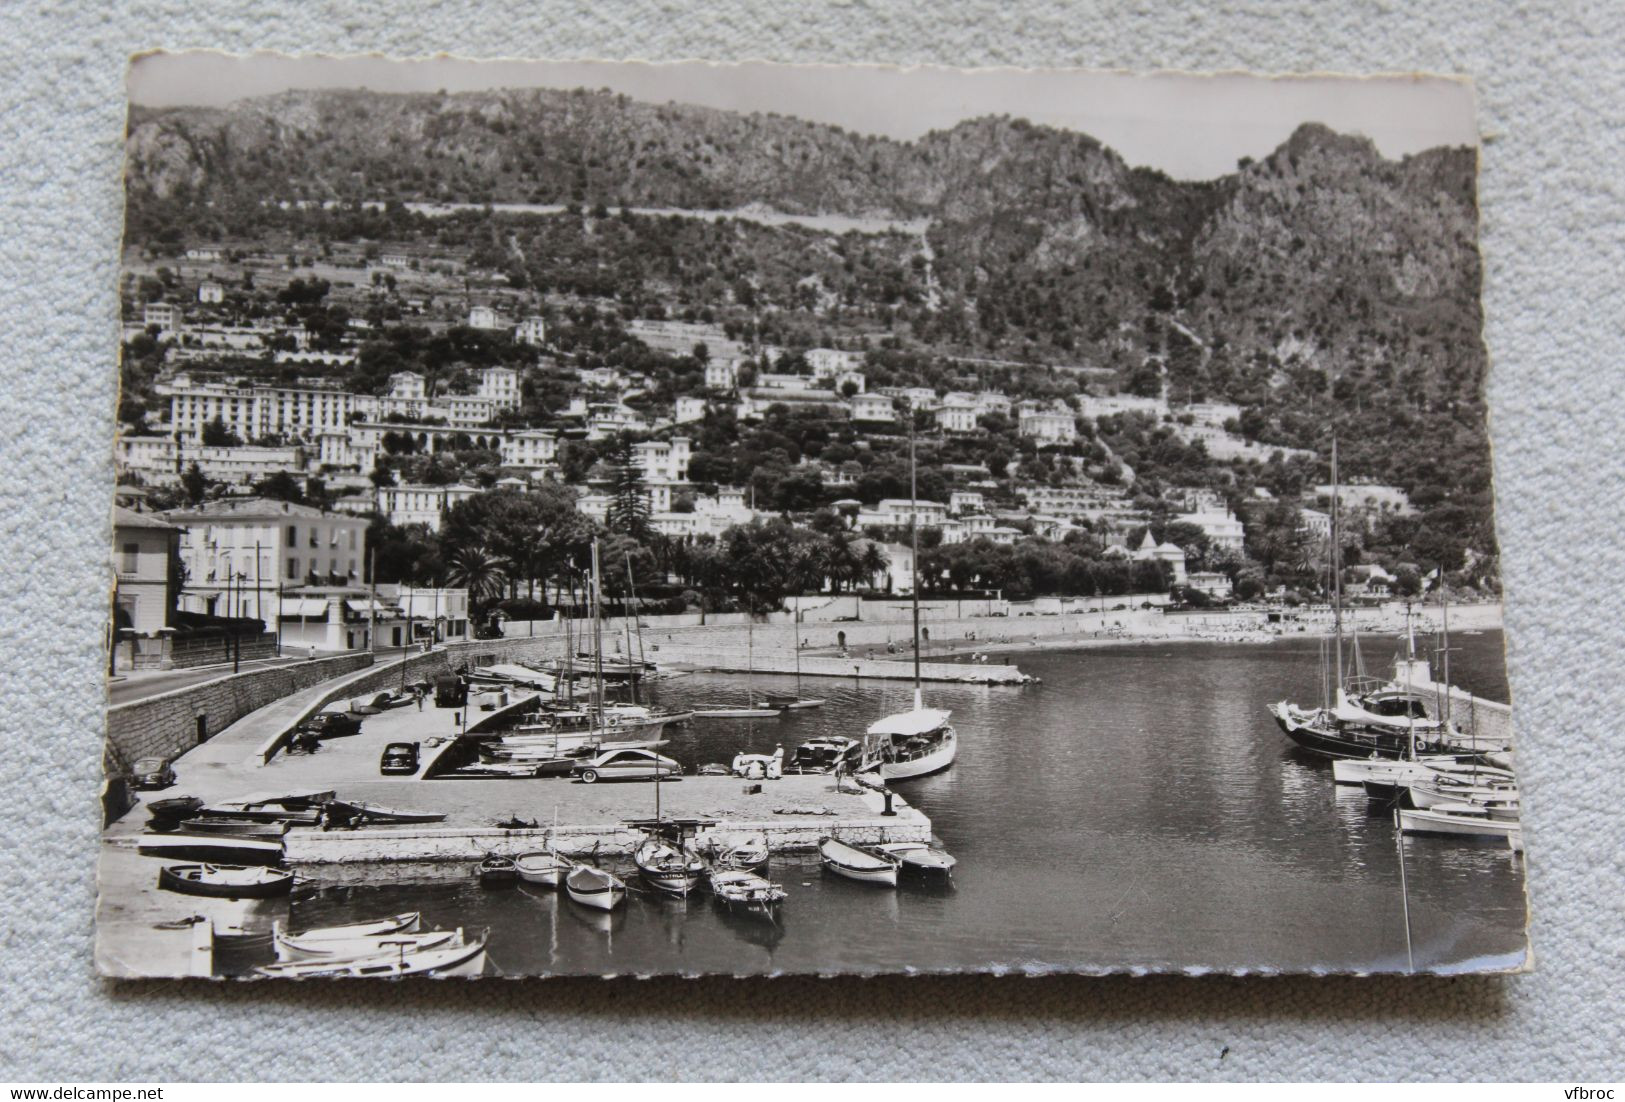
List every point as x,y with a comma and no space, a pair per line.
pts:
481,573
873,561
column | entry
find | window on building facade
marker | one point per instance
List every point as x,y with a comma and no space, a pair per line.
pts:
293,534
131,558
293,569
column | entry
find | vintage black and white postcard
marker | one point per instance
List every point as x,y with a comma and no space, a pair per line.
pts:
605,518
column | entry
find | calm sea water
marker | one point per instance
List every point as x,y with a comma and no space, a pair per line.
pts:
1138,810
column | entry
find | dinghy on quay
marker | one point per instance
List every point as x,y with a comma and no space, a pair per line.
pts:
466,959
350,813
214,848
593,887
226,881
859,863
240,828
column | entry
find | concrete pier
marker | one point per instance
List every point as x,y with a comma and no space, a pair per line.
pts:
143,930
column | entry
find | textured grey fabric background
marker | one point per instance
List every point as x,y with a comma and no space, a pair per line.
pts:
1549,84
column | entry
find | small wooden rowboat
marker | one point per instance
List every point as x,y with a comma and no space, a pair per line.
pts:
547,869
290,947
496,871
917,857
749,854
407,922
593,887
669,868
859,863
175,808
225,881
238,828
465,959
743,890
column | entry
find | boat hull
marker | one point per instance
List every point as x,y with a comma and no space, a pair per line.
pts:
467,959
1462,826
290,947
936,760
853,864
217,849
595,888
545,869
176,878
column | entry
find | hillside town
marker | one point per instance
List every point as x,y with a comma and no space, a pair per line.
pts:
382,430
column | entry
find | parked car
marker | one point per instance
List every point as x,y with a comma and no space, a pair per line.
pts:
331,725
151,773
626,765
399,758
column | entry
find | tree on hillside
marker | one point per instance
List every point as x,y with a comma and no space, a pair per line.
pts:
217,435
628,511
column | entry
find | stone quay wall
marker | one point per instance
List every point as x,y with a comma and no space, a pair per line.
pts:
169,723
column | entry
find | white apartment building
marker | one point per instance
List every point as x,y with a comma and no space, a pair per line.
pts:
1222,528
690,410
663,461
872,407
896,512
416,504
161,460
255,411
531,331
165,315
211,293
961,502
916,397
957,413
605,421
238,551
485,317
500,386
721,374
530,448
1050,427
1315,522
827,363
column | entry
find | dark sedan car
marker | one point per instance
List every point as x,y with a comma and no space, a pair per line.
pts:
331,724
151,773
399,758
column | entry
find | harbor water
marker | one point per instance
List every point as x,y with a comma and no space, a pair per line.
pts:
1138,810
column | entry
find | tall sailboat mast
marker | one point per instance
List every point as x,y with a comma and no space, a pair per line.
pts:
914,551
597,638
1337,571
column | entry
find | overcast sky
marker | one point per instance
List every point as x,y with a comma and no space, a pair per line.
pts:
1191,127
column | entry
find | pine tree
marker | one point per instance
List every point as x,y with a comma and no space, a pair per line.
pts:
628,511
